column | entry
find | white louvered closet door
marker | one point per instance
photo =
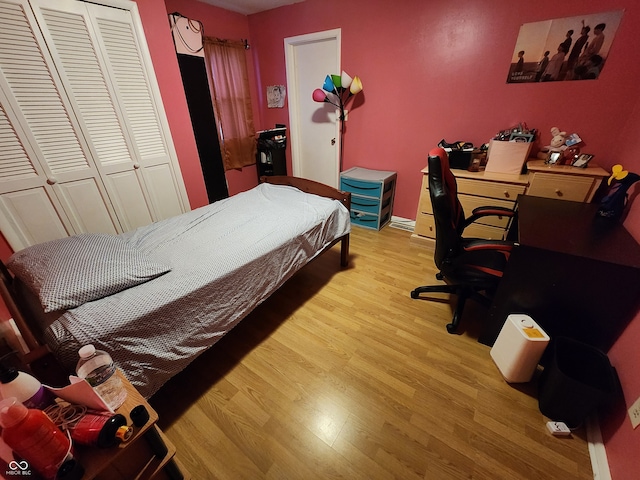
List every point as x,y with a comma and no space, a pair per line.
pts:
98,55
49,186
91,148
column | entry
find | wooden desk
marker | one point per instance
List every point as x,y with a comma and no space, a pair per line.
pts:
576,274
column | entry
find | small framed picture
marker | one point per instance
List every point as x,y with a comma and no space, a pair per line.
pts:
553,158
572,139
522,137
582,160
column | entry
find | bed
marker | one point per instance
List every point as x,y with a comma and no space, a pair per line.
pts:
159,296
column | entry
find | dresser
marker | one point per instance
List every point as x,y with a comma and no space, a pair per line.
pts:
564,182
372,193
475,189
478,189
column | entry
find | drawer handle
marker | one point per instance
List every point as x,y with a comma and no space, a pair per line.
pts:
506,194
558,192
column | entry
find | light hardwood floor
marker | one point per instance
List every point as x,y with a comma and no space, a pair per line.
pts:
340,374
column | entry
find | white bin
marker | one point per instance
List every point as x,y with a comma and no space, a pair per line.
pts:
518,348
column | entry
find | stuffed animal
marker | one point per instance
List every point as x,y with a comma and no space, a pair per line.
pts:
558,139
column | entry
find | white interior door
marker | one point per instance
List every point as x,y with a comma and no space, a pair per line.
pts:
314,128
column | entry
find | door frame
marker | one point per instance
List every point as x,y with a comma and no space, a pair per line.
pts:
290,45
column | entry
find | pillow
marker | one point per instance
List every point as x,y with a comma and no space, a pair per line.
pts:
71,271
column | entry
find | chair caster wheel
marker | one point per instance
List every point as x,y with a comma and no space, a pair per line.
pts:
439,276
451,328
414,294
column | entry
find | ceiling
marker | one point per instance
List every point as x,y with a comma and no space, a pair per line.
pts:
247,7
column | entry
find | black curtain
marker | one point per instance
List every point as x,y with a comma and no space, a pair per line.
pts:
196,88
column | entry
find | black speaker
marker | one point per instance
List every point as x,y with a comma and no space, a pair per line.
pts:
459,159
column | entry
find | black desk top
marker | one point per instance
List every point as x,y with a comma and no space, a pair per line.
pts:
574,228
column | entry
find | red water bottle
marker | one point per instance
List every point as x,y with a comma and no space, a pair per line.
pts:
34,437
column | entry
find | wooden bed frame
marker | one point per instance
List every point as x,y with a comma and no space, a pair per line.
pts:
42,361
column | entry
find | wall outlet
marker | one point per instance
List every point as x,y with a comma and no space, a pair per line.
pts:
634,413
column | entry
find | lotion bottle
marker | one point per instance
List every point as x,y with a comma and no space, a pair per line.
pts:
27,389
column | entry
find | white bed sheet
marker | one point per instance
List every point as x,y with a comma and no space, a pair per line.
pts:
225,259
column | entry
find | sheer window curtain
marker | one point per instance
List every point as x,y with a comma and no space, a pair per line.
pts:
229,84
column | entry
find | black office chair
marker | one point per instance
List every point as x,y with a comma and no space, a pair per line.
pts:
471,267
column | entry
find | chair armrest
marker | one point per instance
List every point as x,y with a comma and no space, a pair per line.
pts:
480,212
481,244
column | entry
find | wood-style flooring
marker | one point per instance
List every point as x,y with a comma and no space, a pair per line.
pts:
340,374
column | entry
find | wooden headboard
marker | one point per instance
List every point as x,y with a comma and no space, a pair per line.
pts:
6,289
310,186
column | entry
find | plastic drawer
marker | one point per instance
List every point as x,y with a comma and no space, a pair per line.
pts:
361,187
365,219
365,204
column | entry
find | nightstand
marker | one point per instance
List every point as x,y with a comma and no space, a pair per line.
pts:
140,457
372,193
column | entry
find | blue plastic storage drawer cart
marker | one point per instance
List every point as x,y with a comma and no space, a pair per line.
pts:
372,193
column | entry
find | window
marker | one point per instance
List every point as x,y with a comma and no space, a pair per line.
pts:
229,83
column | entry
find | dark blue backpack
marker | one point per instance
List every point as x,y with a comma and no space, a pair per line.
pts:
612,205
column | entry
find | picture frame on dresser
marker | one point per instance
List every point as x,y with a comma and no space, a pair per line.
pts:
582,161
553,158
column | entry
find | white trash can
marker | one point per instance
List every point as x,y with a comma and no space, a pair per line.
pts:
518,348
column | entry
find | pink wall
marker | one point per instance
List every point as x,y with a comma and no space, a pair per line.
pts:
620,440
431,70
434,70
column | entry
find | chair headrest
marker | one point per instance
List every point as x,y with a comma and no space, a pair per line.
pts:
438,152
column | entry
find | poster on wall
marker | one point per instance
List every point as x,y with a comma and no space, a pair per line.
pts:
563,49
275,96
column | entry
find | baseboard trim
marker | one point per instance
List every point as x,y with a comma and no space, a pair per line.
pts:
597,452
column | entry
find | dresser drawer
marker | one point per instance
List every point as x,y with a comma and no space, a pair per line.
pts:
426,227
469,203
504,191
361,187
565,187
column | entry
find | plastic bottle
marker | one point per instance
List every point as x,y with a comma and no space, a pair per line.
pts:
25,388
97,367
101,430
34,437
